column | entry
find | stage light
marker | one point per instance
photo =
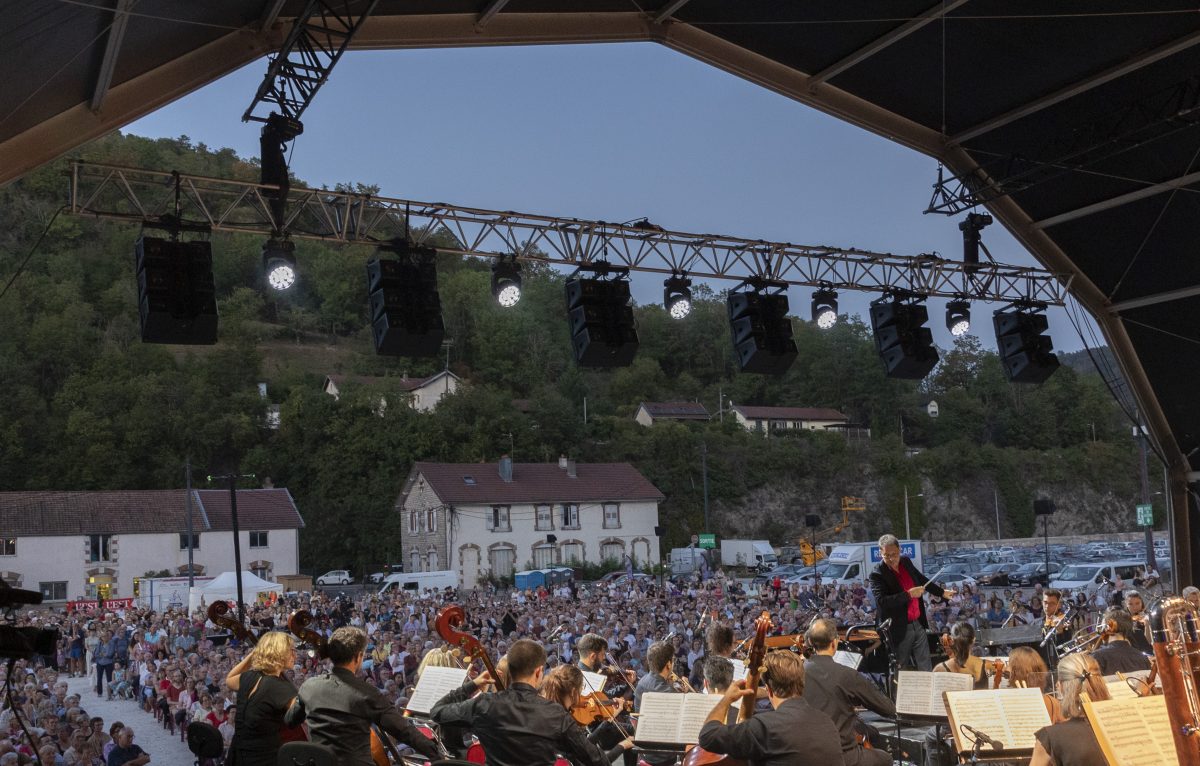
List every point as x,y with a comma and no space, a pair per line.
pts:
1026,353
904,344
958,317
677,296
600,317
825,308
506,281
760,327
279,263
971,228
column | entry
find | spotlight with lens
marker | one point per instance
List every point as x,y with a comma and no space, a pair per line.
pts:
825,308
279,263
958,318
677,296
506,281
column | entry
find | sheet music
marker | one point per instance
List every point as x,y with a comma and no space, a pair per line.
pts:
696,708
850,659
1134,732
920,692
435,683
739,669
659,717
1011,716
593,682
674,718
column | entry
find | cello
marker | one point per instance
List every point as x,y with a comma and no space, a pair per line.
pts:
381,745
698,756
447,622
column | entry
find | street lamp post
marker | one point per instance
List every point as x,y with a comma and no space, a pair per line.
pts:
907,526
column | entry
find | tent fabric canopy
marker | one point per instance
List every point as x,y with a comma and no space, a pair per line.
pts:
223,587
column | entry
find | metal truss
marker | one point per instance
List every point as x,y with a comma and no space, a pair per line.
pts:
1156,116
199,203
317,40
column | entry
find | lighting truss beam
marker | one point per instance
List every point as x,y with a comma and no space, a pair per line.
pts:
880,43
1074,89
1135,125
136,195
317,40
112,48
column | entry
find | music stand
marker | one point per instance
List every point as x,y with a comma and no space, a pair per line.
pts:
890,682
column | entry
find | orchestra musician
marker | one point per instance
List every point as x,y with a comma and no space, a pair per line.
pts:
1054,619
897,587
837,690
263,696
792,733
1118,654
593,649
718,675
1072,742
564,685
1027,670
961,660
340,707
658,661
517,726
1136,607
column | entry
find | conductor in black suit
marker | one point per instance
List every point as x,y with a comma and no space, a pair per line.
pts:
897,587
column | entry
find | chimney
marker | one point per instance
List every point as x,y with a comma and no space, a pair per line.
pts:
571,468
562,462
267,483
506,468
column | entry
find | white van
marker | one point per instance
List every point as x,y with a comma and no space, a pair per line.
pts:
1089,577
415,582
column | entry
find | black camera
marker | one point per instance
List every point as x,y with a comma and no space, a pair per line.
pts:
27,643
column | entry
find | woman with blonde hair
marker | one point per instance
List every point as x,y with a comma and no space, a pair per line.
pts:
564,685
263,696
1072,742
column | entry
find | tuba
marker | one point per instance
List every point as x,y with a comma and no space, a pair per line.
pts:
1175,633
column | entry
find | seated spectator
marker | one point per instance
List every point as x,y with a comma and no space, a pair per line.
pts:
126,753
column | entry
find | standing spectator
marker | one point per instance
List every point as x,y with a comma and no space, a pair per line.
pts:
126,753
106,654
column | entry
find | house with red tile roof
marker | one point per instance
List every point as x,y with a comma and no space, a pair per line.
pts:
422,394
72,545
497,518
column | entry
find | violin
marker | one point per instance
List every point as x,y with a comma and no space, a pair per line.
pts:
596,707
997,673
381,745
447,622
219,613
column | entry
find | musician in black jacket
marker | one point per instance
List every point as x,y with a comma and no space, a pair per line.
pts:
793,733
837,690
517,726
340,707
1118,654
897,587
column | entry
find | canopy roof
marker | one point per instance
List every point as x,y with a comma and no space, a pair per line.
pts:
1099,97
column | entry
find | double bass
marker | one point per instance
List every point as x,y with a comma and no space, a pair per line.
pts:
381,744
698,756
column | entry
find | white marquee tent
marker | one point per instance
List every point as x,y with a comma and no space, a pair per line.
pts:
224,588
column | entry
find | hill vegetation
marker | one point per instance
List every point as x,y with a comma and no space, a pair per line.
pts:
88,406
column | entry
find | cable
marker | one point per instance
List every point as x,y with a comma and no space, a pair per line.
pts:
29,255
157,17
960,17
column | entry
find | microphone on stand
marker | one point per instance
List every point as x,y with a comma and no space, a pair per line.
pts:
555,632
981,737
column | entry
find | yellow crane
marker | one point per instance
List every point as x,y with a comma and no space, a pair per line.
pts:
809,553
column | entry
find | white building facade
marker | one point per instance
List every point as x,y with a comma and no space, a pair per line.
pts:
481,519
80,545
768,419
422,394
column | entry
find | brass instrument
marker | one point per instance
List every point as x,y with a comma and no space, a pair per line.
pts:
1174,626
1088,640
681,684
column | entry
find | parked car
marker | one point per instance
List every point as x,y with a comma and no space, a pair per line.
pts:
783,572
1034,573
954,580
336,577
997,575
376,577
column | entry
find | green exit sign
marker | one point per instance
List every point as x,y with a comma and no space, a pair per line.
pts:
708,541
1145,515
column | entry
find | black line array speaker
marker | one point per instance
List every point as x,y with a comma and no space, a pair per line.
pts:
1043,507
176,293
761,331
903,341
1025,351
406,309
601,322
